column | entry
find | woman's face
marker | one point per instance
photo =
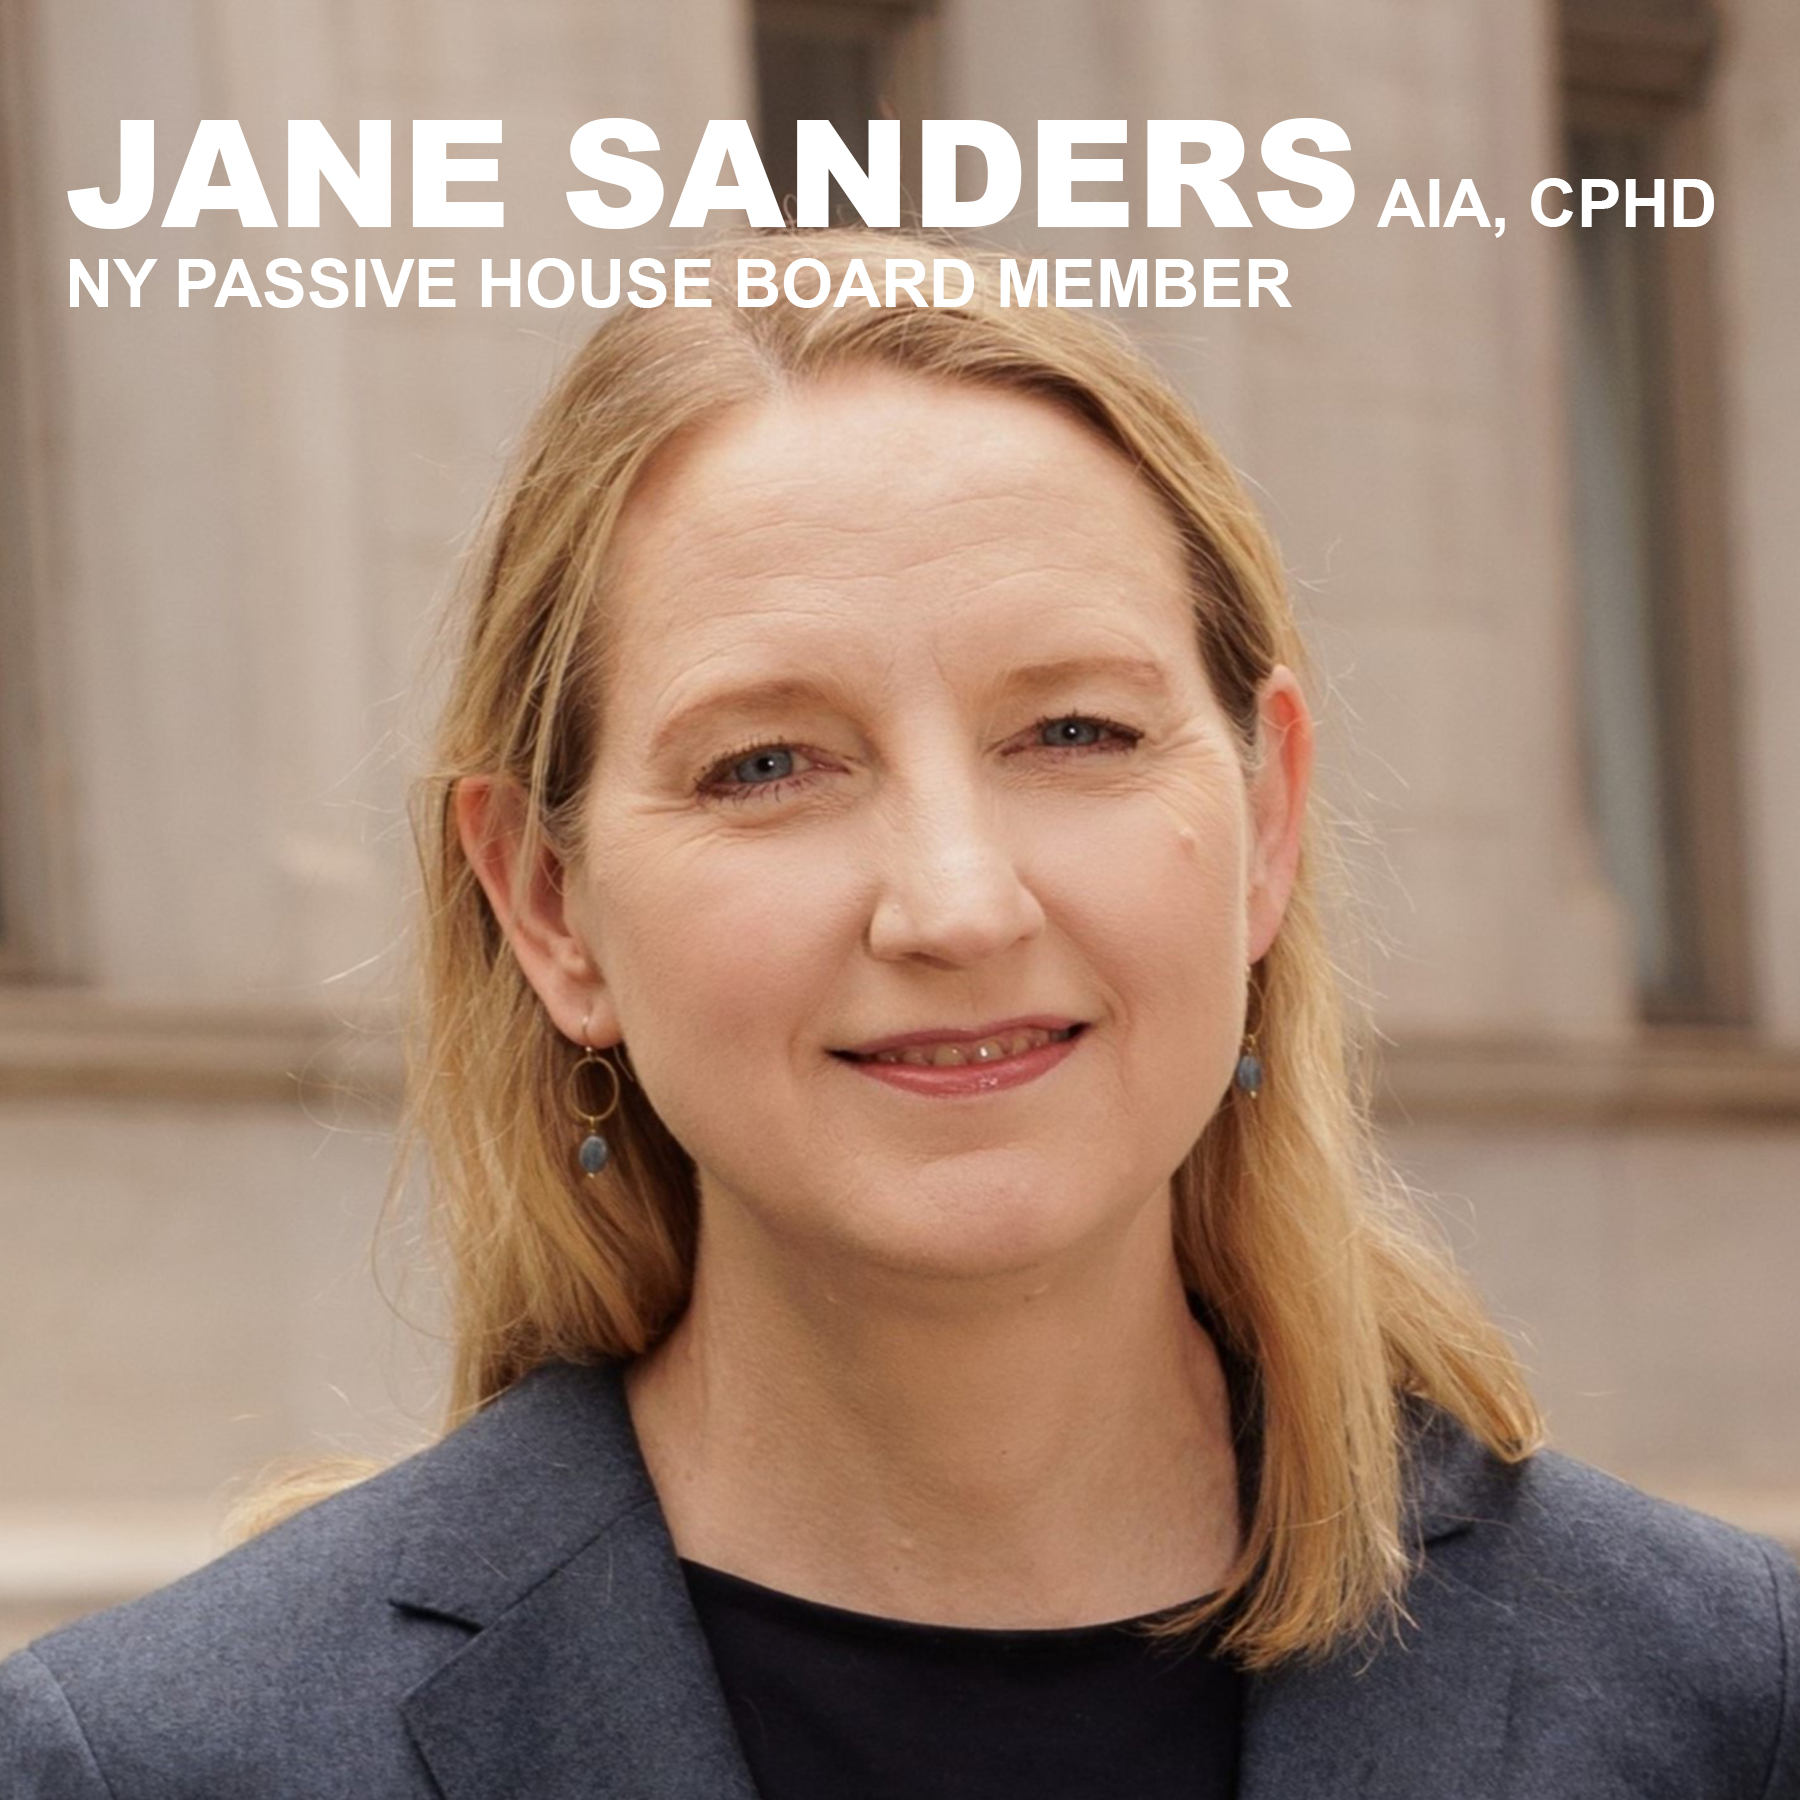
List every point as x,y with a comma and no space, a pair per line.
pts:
908,733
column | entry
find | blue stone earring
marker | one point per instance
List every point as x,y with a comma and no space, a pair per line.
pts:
1249,1075
594,1153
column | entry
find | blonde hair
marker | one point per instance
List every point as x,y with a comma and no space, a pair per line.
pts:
1287,1226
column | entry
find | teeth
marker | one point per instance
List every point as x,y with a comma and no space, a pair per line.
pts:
957,1056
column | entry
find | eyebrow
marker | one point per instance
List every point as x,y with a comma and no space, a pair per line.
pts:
1141,672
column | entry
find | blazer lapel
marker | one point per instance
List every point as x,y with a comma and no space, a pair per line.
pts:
1423,1718
597,1683
588,1673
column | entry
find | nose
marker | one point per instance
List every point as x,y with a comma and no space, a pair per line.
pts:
951,890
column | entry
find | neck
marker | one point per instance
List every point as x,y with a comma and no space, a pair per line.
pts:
1045,1448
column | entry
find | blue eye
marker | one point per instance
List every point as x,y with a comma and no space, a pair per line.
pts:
1085,731
754,773
772,764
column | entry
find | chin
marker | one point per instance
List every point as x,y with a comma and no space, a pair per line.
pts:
976,1231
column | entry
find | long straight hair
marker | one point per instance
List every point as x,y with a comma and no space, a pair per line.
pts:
1302,1246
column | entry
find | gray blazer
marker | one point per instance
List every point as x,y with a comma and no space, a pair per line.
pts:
505,1615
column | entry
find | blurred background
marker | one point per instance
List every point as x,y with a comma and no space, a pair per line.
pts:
1536,493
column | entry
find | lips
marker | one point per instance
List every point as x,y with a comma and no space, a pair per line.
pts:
954,1047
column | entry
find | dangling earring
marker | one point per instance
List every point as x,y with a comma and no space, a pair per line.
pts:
1249,1077
594,1152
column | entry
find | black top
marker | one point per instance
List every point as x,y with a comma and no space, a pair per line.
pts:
837,1705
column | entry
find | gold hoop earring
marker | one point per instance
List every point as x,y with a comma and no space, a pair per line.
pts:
595,1152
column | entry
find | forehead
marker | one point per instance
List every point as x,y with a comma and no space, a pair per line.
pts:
881,521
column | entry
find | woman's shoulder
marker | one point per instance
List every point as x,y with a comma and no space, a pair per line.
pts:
1637,1629
262,1642
1561,1525
303,1641
1586,1520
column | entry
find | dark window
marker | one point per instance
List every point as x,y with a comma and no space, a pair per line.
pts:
1657,718
33,927
848,61
21,848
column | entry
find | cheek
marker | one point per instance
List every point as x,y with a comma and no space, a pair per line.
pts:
1163,884
1167,916
721,943
1193,1001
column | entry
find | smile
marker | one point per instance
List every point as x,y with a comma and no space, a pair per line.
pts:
985,1066
958,1056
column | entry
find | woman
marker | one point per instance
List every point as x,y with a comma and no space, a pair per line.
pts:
930,1320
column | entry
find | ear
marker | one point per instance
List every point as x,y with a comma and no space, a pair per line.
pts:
530,904
1278,793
